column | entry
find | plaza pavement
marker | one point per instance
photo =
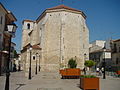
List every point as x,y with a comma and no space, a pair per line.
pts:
52,81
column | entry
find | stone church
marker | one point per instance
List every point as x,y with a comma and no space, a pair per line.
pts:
57,35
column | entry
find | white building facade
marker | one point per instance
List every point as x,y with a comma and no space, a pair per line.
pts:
100,50
115,47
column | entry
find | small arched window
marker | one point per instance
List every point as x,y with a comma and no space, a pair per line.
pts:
28,26
33,57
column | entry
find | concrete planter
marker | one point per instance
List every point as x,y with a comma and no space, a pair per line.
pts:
89,83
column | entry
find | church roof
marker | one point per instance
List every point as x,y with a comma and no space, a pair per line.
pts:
27,20
36,46
63,7
33,46
60,7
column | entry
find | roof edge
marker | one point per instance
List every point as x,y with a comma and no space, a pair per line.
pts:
3,7
59,7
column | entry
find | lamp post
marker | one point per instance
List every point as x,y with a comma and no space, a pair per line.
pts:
104,77
39,63
30,48
84,67
11,30
36,64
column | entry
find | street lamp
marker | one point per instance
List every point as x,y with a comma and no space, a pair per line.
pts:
30,48
104,49
39,63
11,30
36,64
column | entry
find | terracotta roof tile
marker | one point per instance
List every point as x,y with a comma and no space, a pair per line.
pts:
60,7
63,6
36,47
26,20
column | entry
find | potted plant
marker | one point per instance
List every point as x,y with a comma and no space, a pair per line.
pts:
89,82
72,63
72,71
85,80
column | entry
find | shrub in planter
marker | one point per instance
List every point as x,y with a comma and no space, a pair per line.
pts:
72,63
89,82
72,71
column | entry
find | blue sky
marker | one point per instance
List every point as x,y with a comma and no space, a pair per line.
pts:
103,16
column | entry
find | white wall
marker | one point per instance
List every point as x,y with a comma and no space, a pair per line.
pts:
25,25
96,45
107,54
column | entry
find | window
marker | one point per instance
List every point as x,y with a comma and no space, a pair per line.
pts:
33,57
115,48
0,42
83,29
64,47
28,26
62,57
119,49
1,20
117,60
40,32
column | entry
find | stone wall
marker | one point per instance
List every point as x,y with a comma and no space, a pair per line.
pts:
62,35
65,36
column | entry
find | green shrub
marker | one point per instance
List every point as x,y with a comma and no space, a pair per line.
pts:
72,63
89,63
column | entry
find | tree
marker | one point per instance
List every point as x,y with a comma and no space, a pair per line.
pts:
72,63
89,63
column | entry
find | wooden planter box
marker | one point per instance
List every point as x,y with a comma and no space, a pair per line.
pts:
89,83
70,73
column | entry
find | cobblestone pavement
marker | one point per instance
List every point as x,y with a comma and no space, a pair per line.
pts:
52,81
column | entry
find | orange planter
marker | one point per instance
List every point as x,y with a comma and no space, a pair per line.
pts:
70,72
118,72
63,72
89,83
